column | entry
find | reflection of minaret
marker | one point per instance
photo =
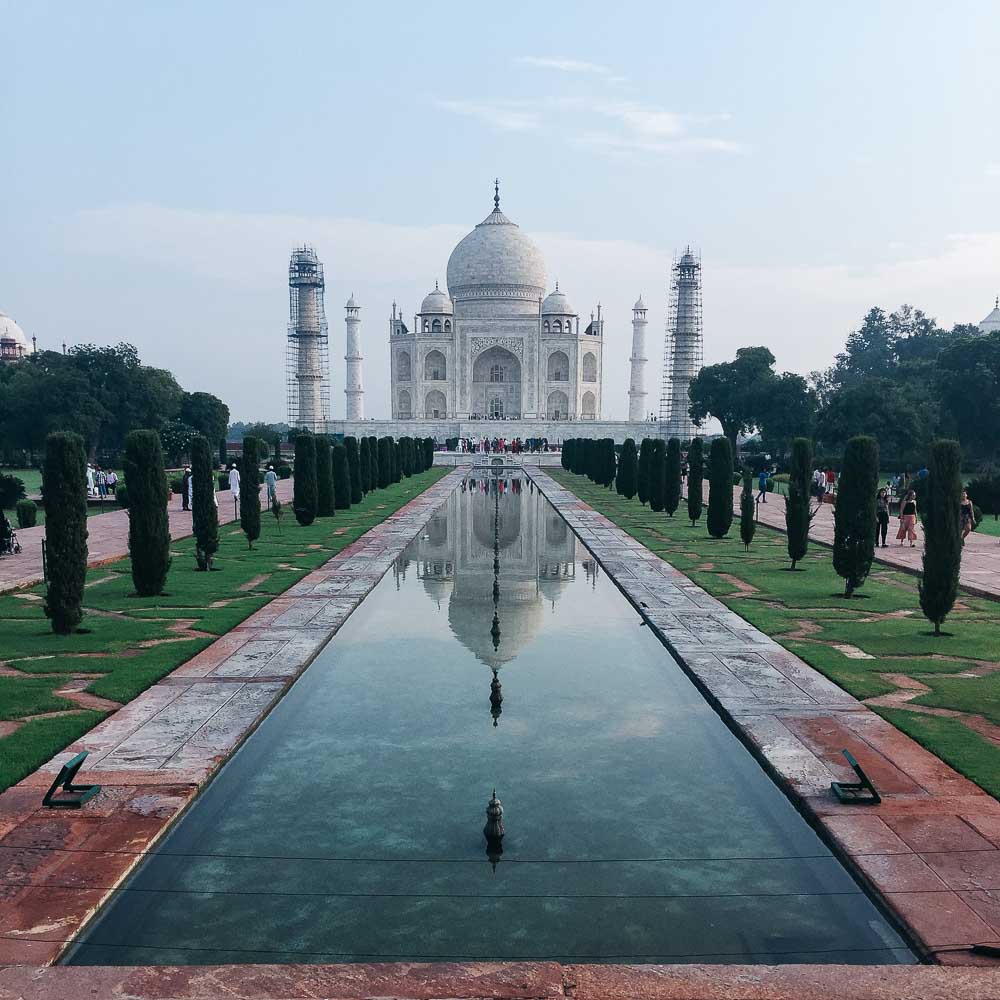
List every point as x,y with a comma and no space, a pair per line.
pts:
637,386
354,387
682,348
496,695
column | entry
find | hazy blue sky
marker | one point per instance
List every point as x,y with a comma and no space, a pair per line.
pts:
161,159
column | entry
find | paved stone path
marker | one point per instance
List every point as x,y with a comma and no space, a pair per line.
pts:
107,537
152,756
931,850
980,559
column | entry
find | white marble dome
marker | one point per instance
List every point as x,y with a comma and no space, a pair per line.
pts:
556,304
436,302
496,258
10,331
992,322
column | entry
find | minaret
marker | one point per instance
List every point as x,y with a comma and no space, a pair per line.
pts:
682,348
354,386
637,385
307,364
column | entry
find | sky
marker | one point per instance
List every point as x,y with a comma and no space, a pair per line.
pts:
160,161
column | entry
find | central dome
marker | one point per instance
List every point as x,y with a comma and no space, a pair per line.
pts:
498,260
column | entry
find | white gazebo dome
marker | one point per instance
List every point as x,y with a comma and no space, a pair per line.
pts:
436,302
556,304
992,322
12,337
496,259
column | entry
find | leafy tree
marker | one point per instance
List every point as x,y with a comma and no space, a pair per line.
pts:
354,467
672,489
798,513
628,469
734,392
204,508
787,410
854,513
385,451
642,483
969,381
175,437
206,413
942,532
148,523
325,493
748,512
265,434
305,488
341,477
250,488
720,488
696,471
657,475
64,476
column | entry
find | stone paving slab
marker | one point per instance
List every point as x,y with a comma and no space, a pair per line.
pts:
915,850
107,538
500,981
153,755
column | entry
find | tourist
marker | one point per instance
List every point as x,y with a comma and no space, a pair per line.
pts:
271,482
102,482
762,485
831,480
186,488
819,483
967,516
881,516
112,482
908,519
90,480
234,481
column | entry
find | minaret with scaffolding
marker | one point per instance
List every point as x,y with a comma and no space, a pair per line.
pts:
307,356
683,346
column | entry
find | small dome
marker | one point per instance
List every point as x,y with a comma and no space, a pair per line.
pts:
688,260
556,304
992,322
436,302
11,332
351,304
639,304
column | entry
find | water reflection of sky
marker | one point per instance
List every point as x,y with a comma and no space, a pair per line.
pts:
637,827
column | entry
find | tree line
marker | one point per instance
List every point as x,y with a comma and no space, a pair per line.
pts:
901,379
653,475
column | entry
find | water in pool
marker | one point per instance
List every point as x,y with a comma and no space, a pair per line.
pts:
349,827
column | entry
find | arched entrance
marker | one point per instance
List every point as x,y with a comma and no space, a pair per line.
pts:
496,384
557,408
436,406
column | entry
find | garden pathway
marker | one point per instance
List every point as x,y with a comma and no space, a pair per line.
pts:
107,538
980,573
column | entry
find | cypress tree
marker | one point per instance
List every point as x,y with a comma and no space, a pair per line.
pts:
672,490
373,461
397,466
428,452
642,481
385,449
204,512
341,477
657,475
250,489
408,457
364,463
354,467
564,455
798,515
696,472
748,511
854,513
305,490
720,488
942,532
628,469
64,479
611,462
148,523
325,498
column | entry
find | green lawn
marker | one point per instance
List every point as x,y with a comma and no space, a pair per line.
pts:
128,643
883,629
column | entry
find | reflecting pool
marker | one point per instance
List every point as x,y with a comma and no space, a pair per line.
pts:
494,655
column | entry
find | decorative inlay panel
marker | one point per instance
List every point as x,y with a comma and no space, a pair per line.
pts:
513,344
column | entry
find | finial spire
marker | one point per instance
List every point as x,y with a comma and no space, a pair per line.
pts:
496,194
436,289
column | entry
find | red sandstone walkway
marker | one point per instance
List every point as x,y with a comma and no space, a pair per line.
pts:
107,538
980,560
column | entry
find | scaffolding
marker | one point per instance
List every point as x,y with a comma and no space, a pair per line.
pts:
307,354
683,346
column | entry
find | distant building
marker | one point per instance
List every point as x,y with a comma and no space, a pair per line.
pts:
14,345
495,346
992,322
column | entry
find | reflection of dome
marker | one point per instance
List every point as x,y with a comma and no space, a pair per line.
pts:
556,304
520,622
496,258
436,302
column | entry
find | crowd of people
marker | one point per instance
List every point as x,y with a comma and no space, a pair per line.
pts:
500,445
100,483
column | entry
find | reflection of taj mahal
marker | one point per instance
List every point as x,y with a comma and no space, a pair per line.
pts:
495,346
455,562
